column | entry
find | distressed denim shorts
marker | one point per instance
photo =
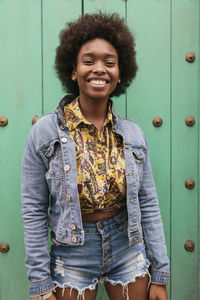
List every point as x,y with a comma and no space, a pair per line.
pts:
105,256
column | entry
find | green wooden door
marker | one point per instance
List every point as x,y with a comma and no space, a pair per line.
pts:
20,100
166,86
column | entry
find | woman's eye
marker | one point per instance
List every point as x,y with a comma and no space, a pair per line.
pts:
110,63
87,62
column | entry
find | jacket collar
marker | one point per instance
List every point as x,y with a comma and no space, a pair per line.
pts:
59,111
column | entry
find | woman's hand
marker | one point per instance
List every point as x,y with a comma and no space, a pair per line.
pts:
158,292
52,297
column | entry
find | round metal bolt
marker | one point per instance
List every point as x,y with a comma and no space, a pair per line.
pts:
190,121
189,183
157,121
3,121
34,120
190,57
4,247
189,246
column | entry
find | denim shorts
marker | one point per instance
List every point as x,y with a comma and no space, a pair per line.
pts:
105,256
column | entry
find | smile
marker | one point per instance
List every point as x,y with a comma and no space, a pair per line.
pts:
98,82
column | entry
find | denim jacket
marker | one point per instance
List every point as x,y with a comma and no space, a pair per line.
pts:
50,196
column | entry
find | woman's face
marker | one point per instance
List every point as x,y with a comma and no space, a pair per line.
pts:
97,70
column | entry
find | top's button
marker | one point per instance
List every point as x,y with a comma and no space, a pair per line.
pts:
113,160
62,127
64,140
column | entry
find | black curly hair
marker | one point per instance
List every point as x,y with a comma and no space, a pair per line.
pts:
107,26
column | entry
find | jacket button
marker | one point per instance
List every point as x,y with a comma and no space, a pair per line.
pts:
68,197
61,127
73,226
74,239
64,140
66,167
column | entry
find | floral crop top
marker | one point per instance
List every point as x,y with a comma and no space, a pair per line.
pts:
100,161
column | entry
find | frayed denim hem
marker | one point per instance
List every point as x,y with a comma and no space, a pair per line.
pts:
103,280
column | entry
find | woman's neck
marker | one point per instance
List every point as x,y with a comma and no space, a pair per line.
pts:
94,111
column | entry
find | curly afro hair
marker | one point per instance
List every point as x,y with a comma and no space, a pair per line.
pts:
107,26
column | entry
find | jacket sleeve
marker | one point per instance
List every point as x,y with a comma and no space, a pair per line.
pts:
35,202
153,227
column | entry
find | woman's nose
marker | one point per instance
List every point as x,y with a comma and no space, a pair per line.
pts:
99,67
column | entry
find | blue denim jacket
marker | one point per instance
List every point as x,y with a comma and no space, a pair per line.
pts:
49,179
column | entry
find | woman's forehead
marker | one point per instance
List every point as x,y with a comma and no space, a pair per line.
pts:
97,45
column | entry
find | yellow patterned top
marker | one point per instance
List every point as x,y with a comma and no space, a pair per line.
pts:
100,161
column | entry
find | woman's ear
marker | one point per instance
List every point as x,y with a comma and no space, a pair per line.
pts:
74,75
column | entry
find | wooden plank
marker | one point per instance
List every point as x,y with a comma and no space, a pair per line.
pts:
149,95
185,37
66,11
113,6
20,86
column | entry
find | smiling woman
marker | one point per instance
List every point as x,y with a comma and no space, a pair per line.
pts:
97,70
97,75
108,27
104,215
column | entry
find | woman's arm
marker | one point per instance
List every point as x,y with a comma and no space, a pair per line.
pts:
153,227
35,202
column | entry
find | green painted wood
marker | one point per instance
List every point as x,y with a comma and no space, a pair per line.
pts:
198,183
185,38
66,11
112,6
20,86
149,95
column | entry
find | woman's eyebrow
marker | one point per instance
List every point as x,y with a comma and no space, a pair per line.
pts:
92,54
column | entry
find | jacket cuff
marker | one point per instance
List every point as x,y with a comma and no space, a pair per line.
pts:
160,277
41,287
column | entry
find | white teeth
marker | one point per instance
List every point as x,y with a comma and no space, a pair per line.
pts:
100,82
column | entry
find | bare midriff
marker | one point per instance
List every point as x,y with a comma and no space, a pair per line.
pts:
100,215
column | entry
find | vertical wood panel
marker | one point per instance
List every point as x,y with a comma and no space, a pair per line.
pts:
198,183
110,6
20,86
185,37
149,95
54,18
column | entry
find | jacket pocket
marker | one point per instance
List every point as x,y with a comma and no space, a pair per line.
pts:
139,154
138,159
54,155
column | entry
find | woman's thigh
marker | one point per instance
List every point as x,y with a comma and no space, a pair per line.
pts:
72,294
137,290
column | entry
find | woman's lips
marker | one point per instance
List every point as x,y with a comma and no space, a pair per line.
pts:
98,82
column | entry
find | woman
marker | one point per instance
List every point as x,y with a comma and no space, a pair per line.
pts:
91,167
